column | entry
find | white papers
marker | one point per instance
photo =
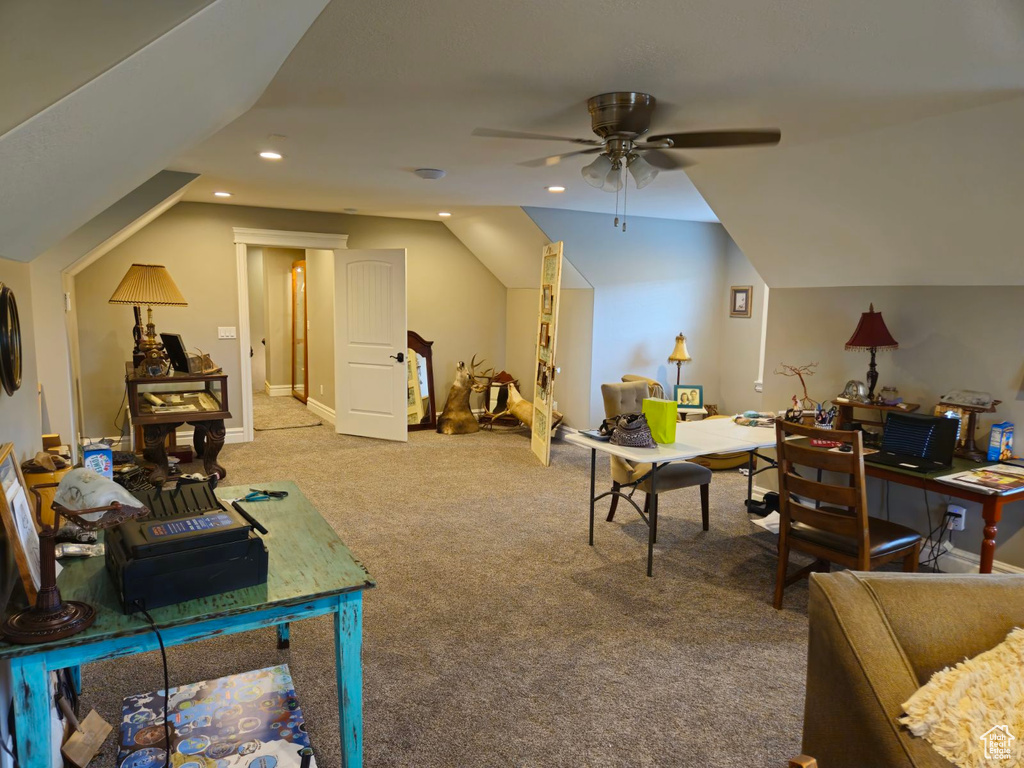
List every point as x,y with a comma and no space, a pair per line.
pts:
769,522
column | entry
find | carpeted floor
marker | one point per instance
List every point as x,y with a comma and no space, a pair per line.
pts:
497,637
271,413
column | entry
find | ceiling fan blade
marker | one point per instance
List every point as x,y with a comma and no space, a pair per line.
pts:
498,133
541,162
711,139
663,161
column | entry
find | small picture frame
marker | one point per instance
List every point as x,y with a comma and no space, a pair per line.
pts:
689,396
545,335
740,299
17,511
547,300
542,376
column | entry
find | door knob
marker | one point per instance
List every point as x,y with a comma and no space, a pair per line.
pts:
400,357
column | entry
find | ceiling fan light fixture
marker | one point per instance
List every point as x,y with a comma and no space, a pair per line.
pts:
597,172
643,172
613,180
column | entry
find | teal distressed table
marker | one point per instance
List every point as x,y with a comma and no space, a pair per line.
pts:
311,573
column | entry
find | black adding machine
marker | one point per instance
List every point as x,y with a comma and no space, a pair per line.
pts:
190,546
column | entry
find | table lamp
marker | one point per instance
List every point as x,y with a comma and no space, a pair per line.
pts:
872,335
679,356
149,284
52,618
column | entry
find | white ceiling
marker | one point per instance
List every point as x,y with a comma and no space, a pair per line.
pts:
375,90
67,163
48,48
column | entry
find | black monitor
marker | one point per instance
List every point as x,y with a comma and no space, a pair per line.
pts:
175,351
927,437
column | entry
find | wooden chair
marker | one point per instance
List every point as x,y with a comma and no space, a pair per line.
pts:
628,397
830,522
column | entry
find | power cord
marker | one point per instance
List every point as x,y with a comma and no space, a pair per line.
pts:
167,683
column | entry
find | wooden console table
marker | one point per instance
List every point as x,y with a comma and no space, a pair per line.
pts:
200,400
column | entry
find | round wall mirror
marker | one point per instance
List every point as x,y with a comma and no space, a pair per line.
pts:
10,341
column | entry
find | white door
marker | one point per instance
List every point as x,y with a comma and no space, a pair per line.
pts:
370,344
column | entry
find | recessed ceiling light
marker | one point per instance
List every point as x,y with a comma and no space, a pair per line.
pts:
431,174
271,155
555,188
222,194
444,213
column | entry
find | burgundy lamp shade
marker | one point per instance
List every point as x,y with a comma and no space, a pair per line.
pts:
871,333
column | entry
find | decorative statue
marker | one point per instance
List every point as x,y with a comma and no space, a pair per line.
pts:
522,408
800,371
457,417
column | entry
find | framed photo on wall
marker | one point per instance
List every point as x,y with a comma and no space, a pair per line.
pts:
689,396
16,509
740,299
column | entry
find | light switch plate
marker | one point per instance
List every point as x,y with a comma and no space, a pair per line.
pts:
225,332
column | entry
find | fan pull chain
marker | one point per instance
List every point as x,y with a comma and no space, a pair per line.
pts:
625,197
616,225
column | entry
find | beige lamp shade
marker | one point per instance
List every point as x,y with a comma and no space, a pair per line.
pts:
679,354
148,284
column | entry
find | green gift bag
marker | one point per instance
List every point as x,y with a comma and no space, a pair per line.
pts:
661,418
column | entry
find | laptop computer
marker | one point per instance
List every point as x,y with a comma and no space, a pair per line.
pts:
915,442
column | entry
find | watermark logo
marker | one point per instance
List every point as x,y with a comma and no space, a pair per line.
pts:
998,743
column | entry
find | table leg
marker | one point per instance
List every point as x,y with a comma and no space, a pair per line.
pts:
76,678
750,479
652,520
284,636
153,436
208,439
348,645
30,682
593,471
992,511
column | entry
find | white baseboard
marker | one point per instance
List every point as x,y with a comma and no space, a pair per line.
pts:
321,410
277,390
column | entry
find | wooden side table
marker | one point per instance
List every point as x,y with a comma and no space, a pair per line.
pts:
161,404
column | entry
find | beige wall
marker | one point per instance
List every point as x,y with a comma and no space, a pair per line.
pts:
452,298
741,337
320,298
20,421
277,317
950,337
572,353
257,318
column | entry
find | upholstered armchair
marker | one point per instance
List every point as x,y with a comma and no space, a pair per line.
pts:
654,388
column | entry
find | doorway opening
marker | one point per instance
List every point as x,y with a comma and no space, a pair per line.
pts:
300,330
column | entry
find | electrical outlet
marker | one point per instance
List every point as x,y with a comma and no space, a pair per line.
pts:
224,332
321,389
957,517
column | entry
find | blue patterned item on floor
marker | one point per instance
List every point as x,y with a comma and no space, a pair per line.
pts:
252,719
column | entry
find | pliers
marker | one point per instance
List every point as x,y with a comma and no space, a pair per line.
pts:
256,494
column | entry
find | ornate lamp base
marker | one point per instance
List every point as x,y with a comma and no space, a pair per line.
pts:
34,626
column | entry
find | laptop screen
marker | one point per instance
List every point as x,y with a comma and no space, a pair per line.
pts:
931,437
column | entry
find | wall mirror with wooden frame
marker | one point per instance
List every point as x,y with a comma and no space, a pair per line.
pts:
422,411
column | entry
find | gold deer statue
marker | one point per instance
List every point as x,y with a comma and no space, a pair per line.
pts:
457,416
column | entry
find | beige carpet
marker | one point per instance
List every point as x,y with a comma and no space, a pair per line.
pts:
271,413
497,637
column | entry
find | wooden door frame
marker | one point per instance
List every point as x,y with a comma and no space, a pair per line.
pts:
305,331
244,237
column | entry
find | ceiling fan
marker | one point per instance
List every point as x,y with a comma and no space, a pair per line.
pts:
620,119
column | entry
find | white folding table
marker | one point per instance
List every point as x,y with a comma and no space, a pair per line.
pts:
693,439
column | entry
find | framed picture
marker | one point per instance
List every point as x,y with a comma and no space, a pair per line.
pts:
545,335
547,303
16,509
689,396
740,299
542,375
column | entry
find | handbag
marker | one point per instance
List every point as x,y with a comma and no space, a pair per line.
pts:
631,430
